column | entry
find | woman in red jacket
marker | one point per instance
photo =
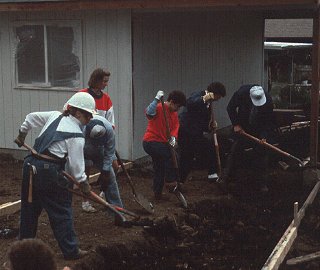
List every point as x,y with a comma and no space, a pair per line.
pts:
155,141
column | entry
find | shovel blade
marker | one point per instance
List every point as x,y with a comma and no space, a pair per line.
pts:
181,198
144,203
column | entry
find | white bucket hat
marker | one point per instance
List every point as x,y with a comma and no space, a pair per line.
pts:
257,96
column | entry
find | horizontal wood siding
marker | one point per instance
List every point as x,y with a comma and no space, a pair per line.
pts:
106,43
189,50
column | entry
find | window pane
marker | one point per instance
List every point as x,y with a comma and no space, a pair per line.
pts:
63,63
30,54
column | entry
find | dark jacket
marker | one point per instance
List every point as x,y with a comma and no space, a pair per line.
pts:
251,118
195,117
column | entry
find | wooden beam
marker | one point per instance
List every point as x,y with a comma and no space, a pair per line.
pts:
10,208
283,246
304,259
94,177
150,4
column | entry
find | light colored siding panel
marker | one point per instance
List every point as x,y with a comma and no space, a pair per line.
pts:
124,83
89,43
3,23
106,42
189,50
6,83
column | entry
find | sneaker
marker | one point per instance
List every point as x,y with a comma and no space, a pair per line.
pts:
81,254
102,196
87,207
213,177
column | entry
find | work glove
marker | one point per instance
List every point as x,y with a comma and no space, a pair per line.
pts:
85,187
20,139
172,141
159,95
209,96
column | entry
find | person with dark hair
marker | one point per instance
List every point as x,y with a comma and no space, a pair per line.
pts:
98,81
251,110
194,122
155,142
30,254
59,145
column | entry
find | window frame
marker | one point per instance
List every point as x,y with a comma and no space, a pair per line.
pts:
77,31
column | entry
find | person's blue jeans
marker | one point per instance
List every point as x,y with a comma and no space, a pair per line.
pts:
94,155
55,199
162,164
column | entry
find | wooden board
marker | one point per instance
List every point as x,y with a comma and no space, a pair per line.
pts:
281,249
303,259
10,208
94,177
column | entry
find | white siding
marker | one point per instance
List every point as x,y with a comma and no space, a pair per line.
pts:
187,51
106,43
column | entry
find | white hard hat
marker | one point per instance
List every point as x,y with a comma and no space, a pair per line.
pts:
83,101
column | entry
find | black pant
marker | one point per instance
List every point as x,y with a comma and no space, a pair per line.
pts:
189,146
260,160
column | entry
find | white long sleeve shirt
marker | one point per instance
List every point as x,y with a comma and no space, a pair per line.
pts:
72,147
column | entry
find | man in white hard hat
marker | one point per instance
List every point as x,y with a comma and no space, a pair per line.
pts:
60,144
250,109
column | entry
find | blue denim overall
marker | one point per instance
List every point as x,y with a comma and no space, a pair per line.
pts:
48,195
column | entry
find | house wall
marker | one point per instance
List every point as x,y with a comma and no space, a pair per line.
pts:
187,51
106,43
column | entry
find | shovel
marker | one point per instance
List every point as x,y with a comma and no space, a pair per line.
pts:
175,190
138,198
215,140
274,148
93,196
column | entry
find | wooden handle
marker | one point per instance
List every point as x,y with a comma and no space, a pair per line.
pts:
30,184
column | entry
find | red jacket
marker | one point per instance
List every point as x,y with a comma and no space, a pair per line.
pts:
103,105
156,129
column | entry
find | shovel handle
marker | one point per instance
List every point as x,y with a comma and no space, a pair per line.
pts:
271,147
173,152
215,139
126,172
93,196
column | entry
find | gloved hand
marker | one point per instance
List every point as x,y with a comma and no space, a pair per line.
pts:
159,95
20,139
172,141
208,97
85,187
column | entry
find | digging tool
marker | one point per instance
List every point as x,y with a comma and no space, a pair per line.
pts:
215,139
119,217
94,197
276,149
138,198
175,190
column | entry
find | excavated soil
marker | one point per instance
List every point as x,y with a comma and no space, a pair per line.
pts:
219,230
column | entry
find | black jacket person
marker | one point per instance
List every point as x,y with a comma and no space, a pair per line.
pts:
251,109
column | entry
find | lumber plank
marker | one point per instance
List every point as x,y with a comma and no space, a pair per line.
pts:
303,259
10,208
94,177
283,246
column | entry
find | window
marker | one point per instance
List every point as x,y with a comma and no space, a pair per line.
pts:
48,54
